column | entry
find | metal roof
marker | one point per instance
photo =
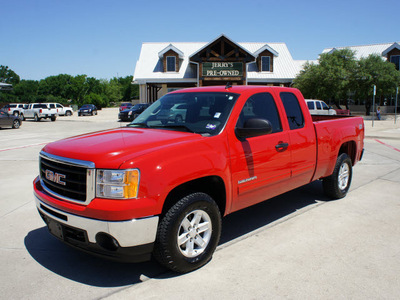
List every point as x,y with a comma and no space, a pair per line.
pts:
365,50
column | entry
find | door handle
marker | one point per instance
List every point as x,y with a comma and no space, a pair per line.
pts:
281,147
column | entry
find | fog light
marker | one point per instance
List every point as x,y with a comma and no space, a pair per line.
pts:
106,241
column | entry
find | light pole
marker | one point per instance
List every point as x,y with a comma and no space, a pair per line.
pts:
395,105
373,106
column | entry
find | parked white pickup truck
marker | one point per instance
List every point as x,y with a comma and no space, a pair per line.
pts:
61,109
38,111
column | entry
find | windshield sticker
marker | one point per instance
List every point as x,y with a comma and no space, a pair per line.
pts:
211,126
217,115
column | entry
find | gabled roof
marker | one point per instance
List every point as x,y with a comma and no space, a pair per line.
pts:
394,46
210,43
173,48
266,47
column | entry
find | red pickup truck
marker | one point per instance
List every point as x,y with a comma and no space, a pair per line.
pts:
160,185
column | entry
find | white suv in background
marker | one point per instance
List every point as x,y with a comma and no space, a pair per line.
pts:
61,109
319,107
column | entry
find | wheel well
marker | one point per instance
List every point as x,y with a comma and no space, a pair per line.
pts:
350,148
211,185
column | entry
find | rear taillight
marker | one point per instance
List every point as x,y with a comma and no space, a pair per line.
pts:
40,111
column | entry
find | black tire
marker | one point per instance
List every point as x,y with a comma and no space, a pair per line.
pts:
16,113
68,113
53,118
16,124
36,118
337,185
21,116
187,254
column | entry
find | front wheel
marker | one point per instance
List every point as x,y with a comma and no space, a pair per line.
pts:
16,123
337,185
188,233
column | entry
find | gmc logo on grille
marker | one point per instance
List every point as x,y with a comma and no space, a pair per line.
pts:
55,177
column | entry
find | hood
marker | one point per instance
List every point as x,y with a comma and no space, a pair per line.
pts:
111,148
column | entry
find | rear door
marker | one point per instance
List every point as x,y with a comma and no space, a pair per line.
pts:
301,138
260,165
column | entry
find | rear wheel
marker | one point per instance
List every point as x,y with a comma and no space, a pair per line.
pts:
16,113
68,113
36,118
53,118
21,116
337,185
188,233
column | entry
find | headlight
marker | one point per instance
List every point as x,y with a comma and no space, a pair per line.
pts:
129,113
117,184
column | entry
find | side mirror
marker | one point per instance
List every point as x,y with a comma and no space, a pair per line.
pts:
254,127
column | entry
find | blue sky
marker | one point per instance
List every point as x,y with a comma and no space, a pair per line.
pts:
102,39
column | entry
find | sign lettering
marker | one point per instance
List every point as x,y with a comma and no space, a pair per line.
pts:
223,69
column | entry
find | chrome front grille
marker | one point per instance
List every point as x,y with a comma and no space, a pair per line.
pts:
67,179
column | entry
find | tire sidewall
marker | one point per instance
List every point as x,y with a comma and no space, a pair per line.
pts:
331,183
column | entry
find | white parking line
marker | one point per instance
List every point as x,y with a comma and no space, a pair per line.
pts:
25,146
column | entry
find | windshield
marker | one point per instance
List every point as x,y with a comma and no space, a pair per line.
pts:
85,106
203,113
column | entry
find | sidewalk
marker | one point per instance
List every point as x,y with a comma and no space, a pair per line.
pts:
385,129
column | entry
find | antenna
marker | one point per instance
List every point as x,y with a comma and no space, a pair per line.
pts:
228,85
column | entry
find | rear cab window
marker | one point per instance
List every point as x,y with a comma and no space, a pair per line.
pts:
293,110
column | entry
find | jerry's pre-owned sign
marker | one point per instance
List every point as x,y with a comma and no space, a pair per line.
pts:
222,69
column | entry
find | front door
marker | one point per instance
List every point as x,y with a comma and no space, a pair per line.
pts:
260,165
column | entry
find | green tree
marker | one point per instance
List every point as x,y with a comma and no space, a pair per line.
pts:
8,76
57,86
373,70
331,79
26,90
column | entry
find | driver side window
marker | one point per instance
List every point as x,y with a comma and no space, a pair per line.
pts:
260,106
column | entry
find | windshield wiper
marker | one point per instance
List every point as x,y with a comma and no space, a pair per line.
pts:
140,125
174,126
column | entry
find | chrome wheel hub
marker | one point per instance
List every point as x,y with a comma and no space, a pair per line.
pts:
344,176
194,233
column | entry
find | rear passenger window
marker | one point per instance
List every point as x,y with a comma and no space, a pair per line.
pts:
318,105
261,106
293,110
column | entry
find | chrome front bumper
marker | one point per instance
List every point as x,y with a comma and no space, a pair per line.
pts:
129,233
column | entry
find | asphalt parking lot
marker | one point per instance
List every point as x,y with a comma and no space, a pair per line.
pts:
296,246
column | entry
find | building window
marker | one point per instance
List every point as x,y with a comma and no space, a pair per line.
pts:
265,64
396,60
171,64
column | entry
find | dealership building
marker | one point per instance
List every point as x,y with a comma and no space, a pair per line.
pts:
164,67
